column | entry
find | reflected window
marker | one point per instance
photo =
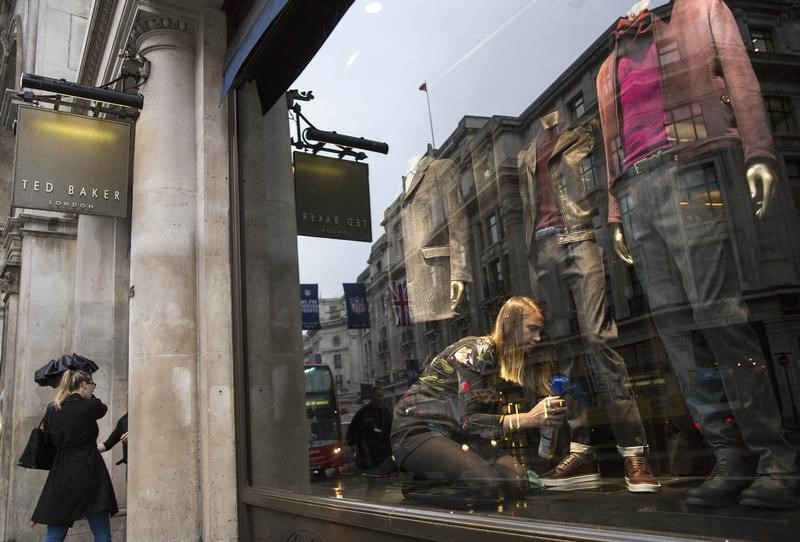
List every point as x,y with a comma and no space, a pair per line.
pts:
761,40
779,111
793,176
703,199
494,279
493,229
588,173
669,53
685,124
576,106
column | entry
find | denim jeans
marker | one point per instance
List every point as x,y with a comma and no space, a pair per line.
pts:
684,259
100,524
596,372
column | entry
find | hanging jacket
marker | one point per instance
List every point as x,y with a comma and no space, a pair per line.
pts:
578,198
711,95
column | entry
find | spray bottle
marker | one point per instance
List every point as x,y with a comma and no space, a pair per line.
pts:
548,434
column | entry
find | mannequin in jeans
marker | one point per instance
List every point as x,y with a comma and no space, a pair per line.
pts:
564,259
659,72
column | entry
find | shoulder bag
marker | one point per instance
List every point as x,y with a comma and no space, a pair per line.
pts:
40,450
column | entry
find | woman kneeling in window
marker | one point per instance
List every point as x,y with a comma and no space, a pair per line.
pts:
447,427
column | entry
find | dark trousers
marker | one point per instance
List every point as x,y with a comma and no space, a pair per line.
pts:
595,370
683,255
474,471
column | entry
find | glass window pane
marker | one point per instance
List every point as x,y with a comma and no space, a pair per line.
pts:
609,186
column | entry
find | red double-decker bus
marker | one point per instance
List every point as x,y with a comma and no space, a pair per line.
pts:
325,443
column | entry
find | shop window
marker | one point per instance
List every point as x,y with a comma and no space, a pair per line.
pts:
483,120
761,40
780,114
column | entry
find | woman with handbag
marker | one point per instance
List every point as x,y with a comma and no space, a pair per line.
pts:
78,485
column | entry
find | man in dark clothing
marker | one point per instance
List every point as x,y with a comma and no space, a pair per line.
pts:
369,434
119,434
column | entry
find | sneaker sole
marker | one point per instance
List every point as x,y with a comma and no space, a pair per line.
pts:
558,482
643,488
578,486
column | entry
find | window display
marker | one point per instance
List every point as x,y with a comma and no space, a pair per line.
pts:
628,176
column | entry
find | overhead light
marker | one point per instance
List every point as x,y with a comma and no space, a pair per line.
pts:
68,88
373,8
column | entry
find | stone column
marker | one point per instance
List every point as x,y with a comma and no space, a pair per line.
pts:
101,323
163,478
40,327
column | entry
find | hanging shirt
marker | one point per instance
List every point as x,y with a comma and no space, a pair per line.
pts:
641,100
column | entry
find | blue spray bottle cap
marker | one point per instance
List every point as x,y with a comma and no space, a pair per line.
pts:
558,387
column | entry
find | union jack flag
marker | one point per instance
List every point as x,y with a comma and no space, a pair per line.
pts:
399,298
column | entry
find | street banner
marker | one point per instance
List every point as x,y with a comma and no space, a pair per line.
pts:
355,295
309,306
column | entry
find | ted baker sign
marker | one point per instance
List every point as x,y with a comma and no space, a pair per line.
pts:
71,163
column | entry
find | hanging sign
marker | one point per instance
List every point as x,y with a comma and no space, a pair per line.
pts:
71,163
332,198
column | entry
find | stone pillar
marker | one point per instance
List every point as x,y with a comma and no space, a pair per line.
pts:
278,431
164,476
101,322
40,327
214,315
9,293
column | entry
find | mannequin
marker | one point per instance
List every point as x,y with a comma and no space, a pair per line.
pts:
565,262
435,241
679,102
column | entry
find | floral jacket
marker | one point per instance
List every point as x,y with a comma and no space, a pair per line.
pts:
456,395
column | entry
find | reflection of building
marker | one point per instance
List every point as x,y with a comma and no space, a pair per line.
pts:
767,253
339,348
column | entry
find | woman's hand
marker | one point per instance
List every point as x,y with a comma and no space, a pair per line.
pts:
124,437
550,411
101,447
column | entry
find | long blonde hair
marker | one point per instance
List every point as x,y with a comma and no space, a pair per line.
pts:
507,336
71,380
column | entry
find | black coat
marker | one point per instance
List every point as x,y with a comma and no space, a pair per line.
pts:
116,434
78,484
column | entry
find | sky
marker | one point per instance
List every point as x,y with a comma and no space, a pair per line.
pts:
478,57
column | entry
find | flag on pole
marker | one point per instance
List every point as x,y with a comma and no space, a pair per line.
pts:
424,88
399,296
